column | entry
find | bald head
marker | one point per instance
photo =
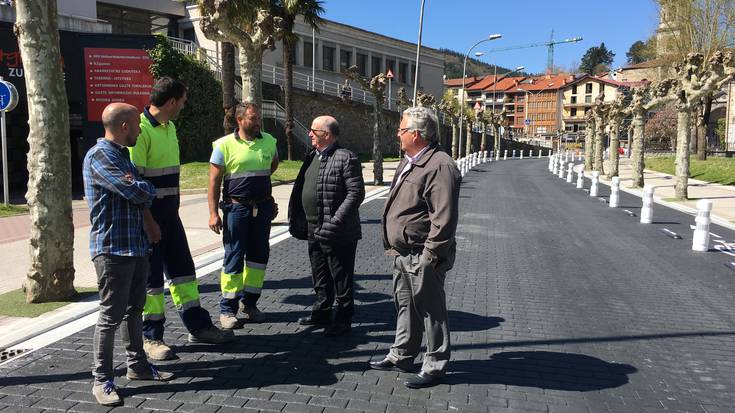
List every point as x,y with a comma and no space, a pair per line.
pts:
121,123
330,124
324,132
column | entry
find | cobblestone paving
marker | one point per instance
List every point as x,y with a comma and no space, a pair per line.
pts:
557,304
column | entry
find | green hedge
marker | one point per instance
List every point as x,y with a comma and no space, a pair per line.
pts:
200,123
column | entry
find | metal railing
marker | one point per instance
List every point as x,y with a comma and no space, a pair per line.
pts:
273,110
276,75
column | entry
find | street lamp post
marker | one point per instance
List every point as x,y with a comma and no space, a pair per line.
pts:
418,54
464,75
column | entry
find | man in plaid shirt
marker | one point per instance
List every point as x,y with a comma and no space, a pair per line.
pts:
122,229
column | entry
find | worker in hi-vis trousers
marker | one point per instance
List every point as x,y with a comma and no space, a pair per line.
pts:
244,160
156,156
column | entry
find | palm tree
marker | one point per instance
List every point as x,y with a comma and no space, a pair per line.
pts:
287,10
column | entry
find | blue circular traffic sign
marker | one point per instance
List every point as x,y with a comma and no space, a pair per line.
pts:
527,122
8,96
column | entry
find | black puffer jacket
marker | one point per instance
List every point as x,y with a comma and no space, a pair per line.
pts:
340,191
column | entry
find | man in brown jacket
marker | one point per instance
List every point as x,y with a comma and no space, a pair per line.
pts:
419,223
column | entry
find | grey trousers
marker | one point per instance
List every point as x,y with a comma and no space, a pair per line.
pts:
418,293
122,284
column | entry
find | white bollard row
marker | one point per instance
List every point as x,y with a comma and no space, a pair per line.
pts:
614,192
497,155
521,153
514,154
539,153
570,170
580,177
505,155
551,164
647,210
560,172
595,183
700,240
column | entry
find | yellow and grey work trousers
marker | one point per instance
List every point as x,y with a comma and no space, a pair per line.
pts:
246,241
171,256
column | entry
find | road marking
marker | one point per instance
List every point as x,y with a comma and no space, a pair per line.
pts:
670,233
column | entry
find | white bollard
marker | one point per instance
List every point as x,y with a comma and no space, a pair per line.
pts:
579,156
580,177
647,209
614,192
551,163
484,156
566,156
539,153
521,153
570,171
489,156
700,241
497,155
505,155
514,154
595,183
530,153
550,153
560,172
553,160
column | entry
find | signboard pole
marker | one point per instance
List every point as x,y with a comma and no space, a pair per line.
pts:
6,190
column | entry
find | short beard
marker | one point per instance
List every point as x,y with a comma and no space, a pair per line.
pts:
253,132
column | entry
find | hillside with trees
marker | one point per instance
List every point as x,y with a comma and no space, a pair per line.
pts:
475,67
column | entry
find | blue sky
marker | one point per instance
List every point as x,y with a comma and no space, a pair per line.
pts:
458,24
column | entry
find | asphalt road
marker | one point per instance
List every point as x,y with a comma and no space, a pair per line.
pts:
557,304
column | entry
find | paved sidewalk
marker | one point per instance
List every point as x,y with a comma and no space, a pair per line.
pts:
557,303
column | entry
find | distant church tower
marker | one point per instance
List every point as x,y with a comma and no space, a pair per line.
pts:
664,31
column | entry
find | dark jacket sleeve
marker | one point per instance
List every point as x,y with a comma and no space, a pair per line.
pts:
297,225
354,186
442,196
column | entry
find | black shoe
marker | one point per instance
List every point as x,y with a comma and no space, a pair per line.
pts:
336,330
387,365
311,321
422,380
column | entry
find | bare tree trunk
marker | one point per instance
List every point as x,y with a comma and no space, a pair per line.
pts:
589,143
51,274
483,138
702,127
468,142
251,62
455,140
599,148
614,144
496,134
228,87
682,152
377,154
288,95
637,148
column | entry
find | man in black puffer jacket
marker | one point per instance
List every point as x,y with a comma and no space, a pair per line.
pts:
324,209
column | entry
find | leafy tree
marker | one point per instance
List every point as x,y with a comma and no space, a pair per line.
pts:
287,10
51,274
595,56
252,27
640,51
450,106
198,122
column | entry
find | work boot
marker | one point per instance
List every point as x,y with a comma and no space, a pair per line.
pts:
250,315
151,373
211,335
158,350
229,322
106,393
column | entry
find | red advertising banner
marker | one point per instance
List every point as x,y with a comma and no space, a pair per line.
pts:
116,75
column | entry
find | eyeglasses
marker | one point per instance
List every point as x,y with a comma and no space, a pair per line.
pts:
314,131
401,131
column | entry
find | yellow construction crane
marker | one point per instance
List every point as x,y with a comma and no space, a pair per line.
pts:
550,45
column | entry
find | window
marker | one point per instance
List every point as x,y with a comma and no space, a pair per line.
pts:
294,49
308,55
574,100
328,58
345,60
402,72
189,34
362,64
588,99
574,89
588,88
519,109
376,66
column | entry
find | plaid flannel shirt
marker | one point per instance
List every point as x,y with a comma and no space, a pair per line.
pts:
116,196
